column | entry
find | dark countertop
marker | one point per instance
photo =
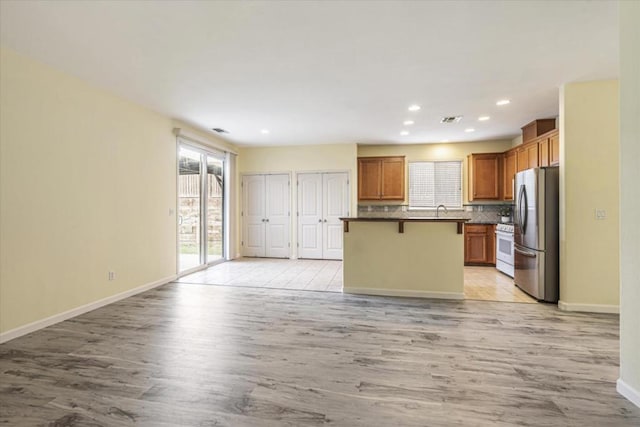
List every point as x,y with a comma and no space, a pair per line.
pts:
401,221
405,219
484,222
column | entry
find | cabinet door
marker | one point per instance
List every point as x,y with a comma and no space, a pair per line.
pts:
522,162
532,155
509,173
335,205
475,248
369,179
392,178
543,148
310,215
254,217
277,216
554,149
491,244
484,177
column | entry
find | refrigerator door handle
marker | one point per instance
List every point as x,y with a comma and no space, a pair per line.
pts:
522,209
525,253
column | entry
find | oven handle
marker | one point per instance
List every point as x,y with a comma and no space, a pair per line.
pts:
525,253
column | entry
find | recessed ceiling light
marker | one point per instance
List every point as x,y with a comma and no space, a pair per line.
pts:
483,118
404,133
414,107
503,102
470,130
407,122
444,140
264,131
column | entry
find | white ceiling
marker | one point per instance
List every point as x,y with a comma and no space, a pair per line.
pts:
327,72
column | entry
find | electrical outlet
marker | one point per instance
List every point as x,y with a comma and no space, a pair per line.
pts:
112,275
386,208
171,211
601,214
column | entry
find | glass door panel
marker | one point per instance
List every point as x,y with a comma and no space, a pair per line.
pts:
215,209
189,209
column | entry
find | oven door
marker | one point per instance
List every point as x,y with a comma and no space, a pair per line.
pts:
504,247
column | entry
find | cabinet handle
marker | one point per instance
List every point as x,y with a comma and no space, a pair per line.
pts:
325,220
319,220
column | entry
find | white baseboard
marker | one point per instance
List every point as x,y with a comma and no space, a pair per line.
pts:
589,308
56,318
628,392
404,293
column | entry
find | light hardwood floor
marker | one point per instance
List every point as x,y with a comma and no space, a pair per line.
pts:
184,355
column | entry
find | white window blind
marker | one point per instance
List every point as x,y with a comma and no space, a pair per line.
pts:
435,183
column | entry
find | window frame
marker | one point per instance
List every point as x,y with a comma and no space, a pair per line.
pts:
421,208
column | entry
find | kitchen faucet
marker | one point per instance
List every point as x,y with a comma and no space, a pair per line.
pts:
438,208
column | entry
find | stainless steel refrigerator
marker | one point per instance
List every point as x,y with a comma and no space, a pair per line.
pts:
536,241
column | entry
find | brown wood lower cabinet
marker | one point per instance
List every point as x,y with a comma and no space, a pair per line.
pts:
479,244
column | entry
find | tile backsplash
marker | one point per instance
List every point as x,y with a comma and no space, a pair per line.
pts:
475,213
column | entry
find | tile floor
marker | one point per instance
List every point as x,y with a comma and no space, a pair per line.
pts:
299,274
480,283
488,284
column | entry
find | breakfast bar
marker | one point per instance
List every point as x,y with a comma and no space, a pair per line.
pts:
408,256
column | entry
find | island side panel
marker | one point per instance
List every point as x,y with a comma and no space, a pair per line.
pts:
425,261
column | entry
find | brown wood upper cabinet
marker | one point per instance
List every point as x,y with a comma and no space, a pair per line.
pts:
508,173
543,151
549,146
554,148
381,178
527,156
533,130
484,176
479,244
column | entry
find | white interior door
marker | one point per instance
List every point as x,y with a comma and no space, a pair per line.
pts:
335,188
277,216
254,216
310,217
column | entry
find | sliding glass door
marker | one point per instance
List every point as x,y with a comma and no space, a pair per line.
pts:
200,208
215,209
189,209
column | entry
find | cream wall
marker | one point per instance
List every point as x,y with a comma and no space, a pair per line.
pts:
449,151
378,260
295,159
87,181
589,159
629,383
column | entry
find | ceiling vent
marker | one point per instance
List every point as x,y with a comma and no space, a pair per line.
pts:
220,130
451,119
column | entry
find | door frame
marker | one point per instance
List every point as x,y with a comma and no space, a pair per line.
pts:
203,150
242,231
296,202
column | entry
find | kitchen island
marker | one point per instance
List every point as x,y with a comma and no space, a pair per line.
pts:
410,256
